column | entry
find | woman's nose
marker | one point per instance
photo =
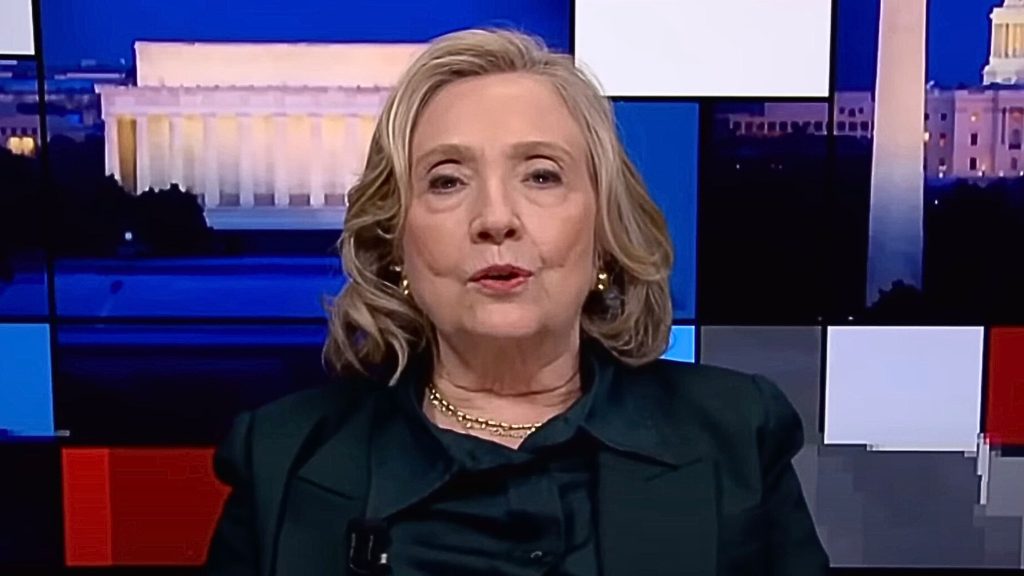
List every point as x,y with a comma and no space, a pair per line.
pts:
496,220
496,233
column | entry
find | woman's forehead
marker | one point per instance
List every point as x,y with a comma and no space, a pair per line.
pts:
509,111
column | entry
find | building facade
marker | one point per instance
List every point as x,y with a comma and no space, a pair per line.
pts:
853,116
1006,55
267,135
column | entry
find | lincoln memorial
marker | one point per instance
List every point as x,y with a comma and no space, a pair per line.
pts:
269,136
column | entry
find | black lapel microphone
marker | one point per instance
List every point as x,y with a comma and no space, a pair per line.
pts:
368,542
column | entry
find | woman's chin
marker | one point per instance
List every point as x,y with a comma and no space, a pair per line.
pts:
506,324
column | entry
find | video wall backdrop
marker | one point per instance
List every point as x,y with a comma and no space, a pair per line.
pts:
843,182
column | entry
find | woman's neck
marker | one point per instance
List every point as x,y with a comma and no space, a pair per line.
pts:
512,382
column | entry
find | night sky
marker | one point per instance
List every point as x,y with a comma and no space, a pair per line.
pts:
104,30
958,42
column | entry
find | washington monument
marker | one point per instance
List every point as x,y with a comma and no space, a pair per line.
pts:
895,229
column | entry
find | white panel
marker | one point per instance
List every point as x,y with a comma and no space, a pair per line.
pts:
706,47
897,388
16,35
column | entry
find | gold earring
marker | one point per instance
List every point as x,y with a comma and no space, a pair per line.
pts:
602,281
404,284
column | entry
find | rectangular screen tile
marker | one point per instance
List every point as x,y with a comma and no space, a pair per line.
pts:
167,385
16,35
661,140
681,344
250,227
764,192
26,214
142,506
700,48
925,211
904,388
789,356
30,510
26,397
1005,414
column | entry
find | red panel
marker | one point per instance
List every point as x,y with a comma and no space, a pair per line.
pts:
163,505
1004,421
87,540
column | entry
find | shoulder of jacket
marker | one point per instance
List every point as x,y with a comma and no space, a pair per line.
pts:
286,423
303,405
729,397
697,379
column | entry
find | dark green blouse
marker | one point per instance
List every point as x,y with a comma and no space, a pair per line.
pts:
495,510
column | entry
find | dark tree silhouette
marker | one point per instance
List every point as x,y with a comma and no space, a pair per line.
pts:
902,304
22,214
80,211
171,222
92,209
973,235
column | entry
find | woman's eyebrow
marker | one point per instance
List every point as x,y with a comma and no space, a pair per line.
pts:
540,147
436,155
439,153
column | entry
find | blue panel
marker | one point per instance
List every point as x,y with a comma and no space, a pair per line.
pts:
26,397
104,31
661,138
22,283
175,384
242,287
682,344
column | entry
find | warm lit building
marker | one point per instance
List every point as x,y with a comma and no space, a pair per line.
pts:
1006,56
19,133
268,135
976,133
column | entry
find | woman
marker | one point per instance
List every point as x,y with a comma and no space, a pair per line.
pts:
501,408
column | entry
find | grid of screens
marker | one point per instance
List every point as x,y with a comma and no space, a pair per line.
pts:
841,182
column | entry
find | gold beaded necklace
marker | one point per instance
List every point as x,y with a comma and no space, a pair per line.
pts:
495,427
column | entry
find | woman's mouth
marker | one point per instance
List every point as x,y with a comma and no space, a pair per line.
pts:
501,279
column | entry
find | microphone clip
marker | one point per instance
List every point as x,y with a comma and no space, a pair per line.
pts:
368,542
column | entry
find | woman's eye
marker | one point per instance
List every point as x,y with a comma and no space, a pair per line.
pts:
545,177
444,183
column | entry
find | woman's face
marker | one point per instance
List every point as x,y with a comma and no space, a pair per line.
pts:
499,236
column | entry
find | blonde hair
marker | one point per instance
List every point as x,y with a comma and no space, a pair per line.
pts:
373,324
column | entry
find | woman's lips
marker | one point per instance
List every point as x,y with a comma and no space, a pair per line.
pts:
496,286
499,272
